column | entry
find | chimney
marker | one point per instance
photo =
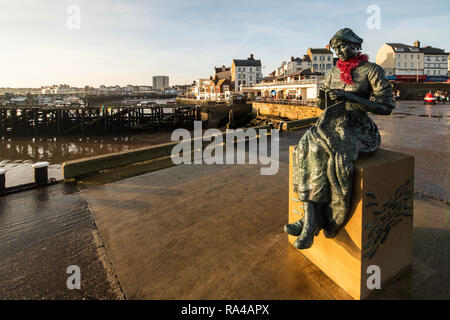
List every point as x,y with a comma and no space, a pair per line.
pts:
417,44
251,57
328,47
292,59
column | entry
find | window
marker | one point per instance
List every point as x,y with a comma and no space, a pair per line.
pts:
405,65
315,58
250,69
251,78
329,58
398,64
412,64
412,56
243,75
418,56
239,76
328,65
315,65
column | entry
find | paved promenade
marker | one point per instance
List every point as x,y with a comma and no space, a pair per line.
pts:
212,232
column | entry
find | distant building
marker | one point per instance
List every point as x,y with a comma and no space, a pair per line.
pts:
181,89
160,82
448,63
435,61
321,59
222,73
413,62
399,59
245,72
294,65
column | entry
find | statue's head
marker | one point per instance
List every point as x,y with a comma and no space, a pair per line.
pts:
346,43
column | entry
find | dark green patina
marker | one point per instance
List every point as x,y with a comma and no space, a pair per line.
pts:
324,156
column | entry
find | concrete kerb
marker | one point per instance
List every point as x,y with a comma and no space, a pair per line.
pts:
86,166
297,124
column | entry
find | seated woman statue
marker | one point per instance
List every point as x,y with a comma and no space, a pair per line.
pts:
323,159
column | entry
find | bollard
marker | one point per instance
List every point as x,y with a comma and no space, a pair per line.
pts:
40,172
2,180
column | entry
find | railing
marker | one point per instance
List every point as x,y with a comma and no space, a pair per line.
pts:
310,102
277,83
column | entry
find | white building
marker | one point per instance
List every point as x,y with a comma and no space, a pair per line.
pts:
294,65
245,72
398,59
160,82
435,61
321,59
295,89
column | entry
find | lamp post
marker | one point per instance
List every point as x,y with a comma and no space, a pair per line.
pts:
417,69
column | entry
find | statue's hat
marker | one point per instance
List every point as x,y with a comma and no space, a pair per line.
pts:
345,35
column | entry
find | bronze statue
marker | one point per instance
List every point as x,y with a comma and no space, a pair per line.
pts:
324,157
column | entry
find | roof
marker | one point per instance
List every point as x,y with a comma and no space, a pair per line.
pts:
431,51
426,50
305,71
306,58
221,69
246,63
400,47
320,51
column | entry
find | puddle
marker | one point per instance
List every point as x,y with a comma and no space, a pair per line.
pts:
402,113
429,116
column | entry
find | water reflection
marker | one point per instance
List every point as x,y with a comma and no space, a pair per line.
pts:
57,150
18,154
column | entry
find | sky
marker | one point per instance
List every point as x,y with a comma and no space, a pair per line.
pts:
116,42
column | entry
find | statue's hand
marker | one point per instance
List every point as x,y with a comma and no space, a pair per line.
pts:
338,94
321,93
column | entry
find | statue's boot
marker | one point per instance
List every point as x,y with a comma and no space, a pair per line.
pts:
294,229
313,222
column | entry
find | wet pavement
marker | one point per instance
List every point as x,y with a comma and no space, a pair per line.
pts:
421,130
210,232
44,231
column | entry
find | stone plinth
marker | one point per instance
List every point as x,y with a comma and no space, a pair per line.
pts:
378,230
290,111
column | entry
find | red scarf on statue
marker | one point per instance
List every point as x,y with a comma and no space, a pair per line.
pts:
346,66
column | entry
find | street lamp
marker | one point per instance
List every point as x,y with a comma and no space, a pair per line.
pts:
417,69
